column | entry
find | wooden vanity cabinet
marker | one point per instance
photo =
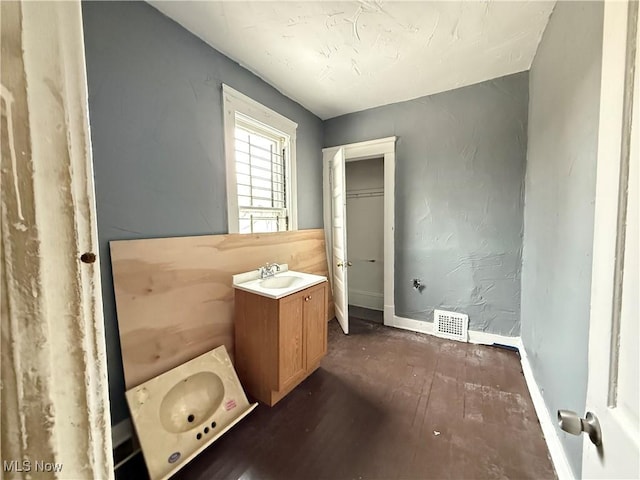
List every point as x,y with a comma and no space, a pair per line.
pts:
279,342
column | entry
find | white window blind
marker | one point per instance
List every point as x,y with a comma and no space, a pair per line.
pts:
261,177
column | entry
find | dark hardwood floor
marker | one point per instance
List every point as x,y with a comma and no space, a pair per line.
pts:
368,314
390,404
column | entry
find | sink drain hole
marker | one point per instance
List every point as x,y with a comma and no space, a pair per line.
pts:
213,424
191,418
199,436
206,429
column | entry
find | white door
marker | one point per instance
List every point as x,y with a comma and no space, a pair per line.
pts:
339,237
612,393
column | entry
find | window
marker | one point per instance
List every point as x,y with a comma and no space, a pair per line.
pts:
260,155
260,161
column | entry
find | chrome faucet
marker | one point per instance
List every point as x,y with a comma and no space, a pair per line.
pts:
269,270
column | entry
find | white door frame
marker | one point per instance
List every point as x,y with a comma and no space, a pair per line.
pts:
382,147
55,395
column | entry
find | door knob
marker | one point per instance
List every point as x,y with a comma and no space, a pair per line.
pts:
342,264
571,423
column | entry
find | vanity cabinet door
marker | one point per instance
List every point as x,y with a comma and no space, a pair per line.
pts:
291,362
315,323
279,342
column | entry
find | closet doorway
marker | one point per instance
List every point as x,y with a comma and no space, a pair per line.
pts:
339,258
365,237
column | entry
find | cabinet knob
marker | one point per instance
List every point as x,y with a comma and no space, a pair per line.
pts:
306,299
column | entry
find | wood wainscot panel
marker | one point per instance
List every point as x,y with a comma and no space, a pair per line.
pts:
174,296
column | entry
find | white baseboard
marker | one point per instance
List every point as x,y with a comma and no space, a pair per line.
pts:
482,338
412,325
547,422
389,314
121,432
361,298
558,456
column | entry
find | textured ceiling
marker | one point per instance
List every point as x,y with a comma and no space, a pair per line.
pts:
340,57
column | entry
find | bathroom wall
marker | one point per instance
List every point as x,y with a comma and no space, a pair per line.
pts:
559,207
156,129
460,162
365,227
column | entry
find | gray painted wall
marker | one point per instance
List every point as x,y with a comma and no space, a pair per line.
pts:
460,162
559,205
156,128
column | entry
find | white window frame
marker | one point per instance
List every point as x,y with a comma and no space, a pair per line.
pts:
235,102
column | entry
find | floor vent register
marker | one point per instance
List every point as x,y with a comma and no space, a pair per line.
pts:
451,325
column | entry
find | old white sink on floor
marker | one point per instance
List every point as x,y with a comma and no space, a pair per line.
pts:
179,413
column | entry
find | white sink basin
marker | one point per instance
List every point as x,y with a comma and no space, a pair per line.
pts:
191,402
280,281
180,412
280,285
